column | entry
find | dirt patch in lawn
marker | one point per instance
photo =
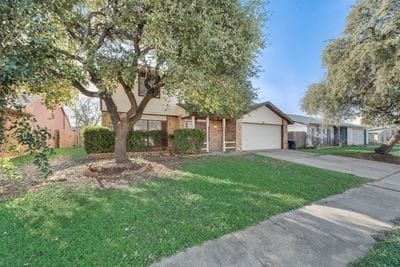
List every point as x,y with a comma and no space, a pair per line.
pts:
107,174
374,156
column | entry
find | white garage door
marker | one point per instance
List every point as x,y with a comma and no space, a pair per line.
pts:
259,136
358,137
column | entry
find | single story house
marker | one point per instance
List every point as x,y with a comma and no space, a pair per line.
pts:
264,126
315,132
379,135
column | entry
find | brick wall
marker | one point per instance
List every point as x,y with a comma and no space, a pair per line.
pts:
105,119
215,135
173,123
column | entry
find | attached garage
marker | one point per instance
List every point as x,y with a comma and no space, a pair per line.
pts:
356,136
261,136
264,127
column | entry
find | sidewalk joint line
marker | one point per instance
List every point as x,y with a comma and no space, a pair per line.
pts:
378,186
384,177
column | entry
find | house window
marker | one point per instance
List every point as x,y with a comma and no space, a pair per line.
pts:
142,91
147,126
187,124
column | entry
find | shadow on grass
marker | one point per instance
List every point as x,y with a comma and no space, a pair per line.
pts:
139,225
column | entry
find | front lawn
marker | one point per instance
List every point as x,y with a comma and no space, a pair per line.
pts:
70,153
336,150
59,225
386,252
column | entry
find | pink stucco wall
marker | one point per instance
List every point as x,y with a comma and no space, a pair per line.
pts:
52,119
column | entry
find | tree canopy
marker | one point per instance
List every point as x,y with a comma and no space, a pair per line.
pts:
199,51
192,49
362,67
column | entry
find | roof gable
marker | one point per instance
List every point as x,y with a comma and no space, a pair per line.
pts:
273,108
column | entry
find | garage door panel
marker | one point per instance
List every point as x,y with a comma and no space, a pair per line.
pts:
261,136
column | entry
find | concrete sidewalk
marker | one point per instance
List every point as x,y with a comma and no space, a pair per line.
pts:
333,231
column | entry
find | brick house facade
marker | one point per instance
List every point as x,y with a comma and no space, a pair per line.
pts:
222,134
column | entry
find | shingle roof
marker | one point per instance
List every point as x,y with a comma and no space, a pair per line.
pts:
255,106
318,121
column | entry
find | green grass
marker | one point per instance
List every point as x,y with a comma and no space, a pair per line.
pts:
61,226
72,153
386,252
351,150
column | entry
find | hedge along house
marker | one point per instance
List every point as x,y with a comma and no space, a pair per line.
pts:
315,132
264,126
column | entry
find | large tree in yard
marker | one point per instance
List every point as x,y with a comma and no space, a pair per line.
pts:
363,69
200,51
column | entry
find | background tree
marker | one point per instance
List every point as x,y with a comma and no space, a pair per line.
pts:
363,69
200,51
85,111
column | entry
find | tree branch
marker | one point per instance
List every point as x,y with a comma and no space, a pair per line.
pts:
133,118
83,90
146,50
112,110
137,37
71,56
129,93
102,37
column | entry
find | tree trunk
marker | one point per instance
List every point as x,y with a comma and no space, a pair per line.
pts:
386,148
121,135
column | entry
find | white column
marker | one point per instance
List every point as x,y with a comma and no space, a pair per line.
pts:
207,134
193,122
223,134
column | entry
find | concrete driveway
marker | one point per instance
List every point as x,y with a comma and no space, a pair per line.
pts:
364,168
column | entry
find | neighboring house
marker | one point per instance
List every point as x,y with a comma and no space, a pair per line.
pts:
56,121
53,120
314,132
379,135
262,127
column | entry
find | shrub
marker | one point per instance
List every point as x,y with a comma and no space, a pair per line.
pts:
98,139
156,137
137,141
101,140
188,141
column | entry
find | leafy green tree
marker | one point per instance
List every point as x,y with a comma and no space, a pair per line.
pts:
363,69
200,51
25,54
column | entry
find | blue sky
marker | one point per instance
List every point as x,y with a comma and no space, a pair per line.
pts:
297,31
